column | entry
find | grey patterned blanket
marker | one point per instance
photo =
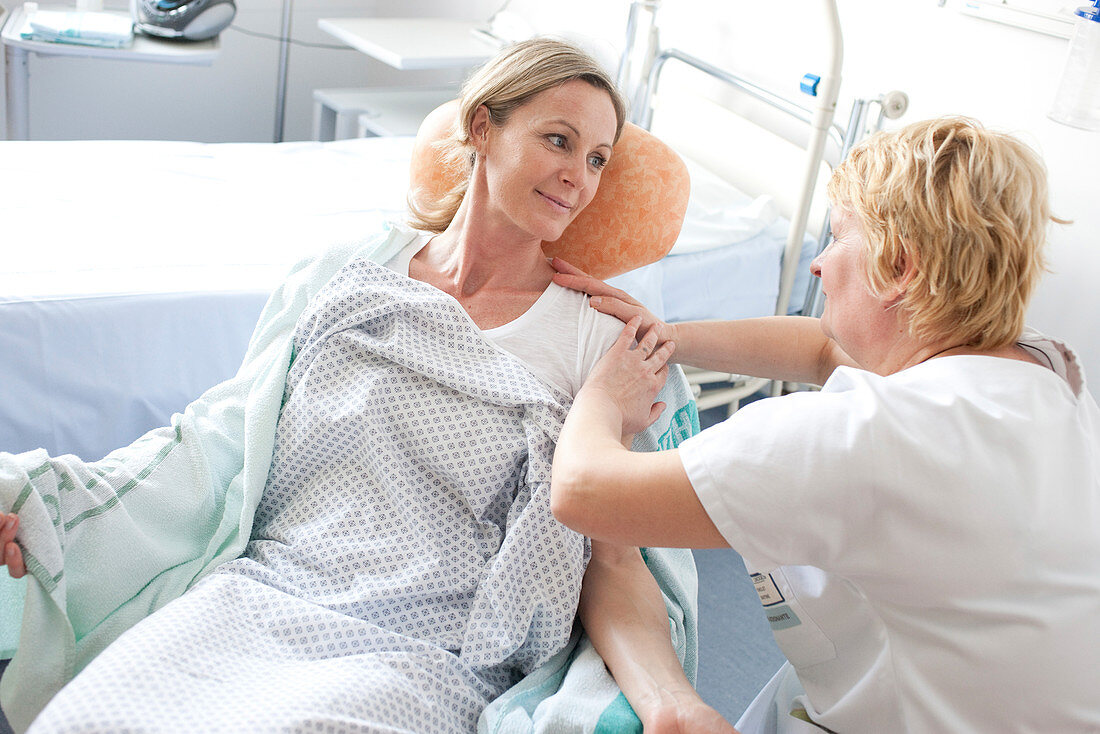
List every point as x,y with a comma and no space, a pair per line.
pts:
404,567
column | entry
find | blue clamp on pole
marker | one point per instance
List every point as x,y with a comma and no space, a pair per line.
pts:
809,84
1089,12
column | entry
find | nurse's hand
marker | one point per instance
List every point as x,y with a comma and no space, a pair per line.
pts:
10,554
630,375
612,301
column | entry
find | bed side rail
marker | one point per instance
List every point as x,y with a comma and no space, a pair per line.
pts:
819,118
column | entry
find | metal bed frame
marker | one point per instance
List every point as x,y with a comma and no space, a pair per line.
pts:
729,389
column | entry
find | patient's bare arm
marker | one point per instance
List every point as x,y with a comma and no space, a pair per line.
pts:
10,554
624,615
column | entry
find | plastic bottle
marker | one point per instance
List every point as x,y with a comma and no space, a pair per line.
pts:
1077,102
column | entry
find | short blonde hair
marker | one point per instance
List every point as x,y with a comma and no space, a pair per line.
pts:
504,84
968,207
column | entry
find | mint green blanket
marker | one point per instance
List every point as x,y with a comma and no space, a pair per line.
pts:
109,542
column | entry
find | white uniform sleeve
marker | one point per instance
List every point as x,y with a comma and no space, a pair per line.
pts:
781,477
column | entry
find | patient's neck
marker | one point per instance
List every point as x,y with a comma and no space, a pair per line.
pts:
494,274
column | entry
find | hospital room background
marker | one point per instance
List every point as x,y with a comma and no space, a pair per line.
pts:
945,59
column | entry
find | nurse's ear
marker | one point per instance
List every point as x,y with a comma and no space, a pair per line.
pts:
905,271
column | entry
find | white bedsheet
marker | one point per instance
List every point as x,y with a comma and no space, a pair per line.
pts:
133,272
109,217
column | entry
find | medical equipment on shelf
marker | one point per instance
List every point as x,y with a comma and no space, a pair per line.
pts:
189,20
1077,101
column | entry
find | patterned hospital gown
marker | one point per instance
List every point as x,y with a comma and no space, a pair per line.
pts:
404,567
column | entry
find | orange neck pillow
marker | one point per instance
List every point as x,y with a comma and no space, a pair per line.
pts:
633,219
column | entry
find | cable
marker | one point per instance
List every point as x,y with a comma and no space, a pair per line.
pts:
296,42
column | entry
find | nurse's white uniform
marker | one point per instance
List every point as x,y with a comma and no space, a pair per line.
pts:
925,544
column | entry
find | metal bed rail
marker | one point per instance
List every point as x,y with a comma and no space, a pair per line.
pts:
643,117
819,119
820,122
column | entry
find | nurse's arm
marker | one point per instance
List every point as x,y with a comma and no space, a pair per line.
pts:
607,492
789,348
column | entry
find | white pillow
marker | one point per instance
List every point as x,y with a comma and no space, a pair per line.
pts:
719,214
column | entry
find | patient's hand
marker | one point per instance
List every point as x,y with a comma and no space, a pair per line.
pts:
612,301
10,554
684,714
630,376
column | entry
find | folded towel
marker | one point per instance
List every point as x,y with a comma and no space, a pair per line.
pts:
86,28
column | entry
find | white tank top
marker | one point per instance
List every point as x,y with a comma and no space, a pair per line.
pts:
560,337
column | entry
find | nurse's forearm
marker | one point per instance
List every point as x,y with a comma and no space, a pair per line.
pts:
791,348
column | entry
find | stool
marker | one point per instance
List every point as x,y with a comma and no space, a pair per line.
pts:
349,113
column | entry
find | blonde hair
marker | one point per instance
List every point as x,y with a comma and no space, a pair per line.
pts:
968,209
504,84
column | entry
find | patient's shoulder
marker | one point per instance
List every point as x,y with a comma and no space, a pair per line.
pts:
572,307
596,332
560,338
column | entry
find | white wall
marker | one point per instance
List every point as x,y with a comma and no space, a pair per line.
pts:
1006,77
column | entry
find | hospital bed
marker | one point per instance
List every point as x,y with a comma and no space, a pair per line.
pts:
135,270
